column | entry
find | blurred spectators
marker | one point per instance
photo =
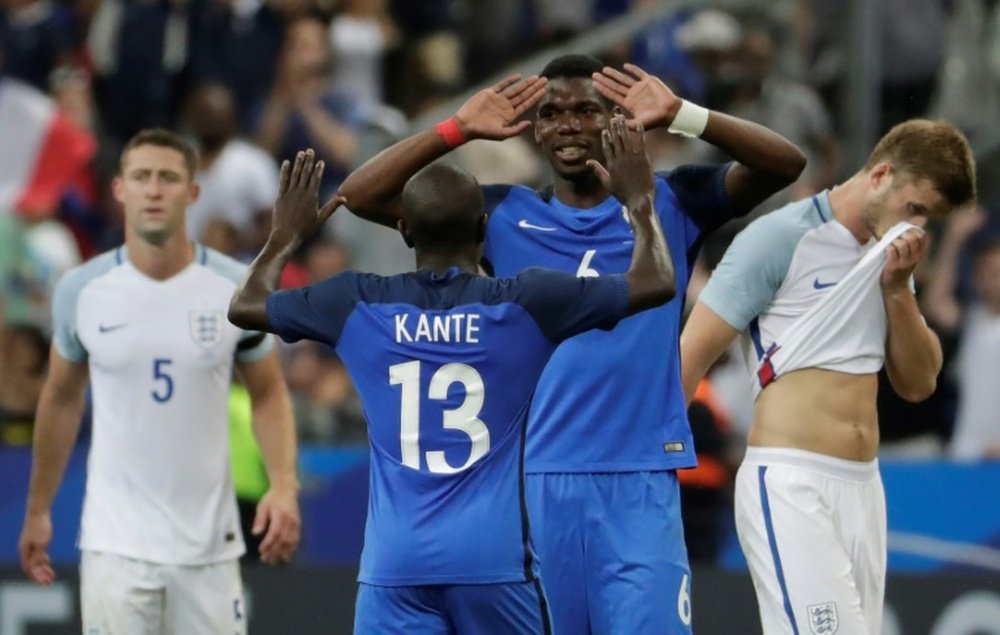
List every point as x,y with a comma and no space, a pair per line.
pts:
224,33
24,352
36,37
977,325
138,49
304,111
237,179
360,36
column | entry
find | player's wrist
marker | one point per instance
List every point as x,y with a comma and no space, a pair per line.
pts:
453,132
689,119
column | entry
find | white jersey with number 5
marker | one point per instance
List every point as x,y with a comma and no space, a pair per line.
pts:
161,356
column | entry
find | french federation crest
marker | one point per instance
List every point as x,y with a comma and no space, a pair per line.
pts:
823,618
205,327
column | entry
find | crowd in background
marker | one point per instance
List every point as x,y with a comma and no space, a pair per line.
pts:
252,81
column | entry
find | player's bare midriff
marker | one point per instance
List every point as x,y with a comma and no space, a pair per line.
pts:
821,411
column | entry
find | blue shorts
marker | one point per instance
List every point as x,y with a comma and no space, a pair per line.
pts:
515,608
611,551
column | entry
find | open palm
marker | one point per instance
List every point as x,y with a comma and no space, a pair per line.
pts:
492,112
645,97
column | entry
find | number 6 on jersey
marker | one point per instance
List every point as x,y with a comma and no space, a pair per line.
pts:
464,418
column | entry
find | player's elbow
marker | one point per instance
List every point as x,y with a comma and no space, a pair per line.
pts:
240,314
792,164
917,391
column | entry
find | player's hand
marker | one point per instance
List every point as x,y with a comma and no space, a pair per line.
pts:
297,213
901,257
278,520
33,548
650,102
492,112
628,174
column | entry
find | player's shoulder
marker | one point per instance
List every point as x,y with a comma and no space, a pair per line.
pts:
74,280
500,197
789,223
215,263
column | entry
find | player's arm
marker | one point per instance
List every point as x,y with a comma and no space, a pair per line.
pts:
274,427
57,424
766,162
741,287
913,355
296,216
705,338
373,190
629,177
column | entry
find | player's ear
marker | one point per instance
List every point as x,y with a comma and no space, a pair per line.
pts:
404,231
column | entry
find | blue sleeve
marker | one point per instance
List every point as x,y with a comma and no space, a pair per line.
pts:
564,305
701,190
493,195
315,312
752,270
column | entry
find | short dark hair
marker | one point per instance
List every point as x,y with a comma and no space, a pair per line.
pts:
443,207
933,150
572,65
164,139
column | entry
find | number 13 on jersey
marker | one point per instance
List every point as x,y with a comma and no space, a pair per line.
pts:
464,418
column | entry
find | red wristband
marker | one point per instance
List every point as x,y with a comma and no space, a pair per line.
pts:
450,132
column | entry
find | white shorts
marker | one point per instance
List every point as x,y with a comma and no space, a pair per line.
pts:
813,529
125,596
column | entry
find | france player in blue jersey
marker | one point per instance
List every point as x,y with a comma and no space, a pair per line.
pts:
608,425
446,362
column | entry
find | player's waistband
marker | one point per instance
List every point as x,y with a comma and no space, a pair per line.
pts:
841,468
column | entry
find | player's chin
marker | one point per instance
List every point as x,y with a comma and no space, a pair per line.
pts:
571,170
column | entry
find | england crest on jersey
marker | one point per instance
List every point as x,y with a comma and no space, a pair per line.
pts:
823,618
205,327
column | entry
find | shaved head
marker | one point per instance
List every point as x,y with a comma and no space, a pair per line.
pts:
443,209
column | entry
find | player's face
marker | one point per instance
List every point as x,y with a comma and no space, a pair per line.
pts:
896,197
568,127
155,189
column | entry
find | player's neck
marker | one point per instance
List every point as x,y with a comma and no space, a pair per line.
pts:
847,201
441,262
585,192
159,262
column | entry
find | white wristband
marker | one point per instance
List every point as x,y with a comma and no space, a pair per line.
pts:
690,121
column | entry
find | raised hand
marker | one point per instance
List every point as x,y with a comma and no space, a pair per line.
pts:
628,173
492,112
645,97
297,213
901,258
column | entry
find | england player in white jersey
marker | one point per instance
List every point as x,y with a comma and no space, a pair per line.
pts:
822,306
146,323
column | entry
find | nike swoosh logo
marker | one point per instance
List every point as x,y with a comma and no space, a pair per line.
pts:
524,224
822,285
107,329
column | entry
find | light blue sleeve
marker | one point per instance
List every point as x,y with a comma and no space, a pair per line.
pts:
253,345
755,266
64,303
64,334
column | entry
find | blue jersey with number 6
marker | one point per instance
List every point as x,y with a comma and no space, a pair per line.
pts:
608,401
446,366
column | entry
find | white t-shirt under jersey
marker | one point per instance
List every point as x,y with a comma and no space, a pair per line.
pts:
779,267
160,355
